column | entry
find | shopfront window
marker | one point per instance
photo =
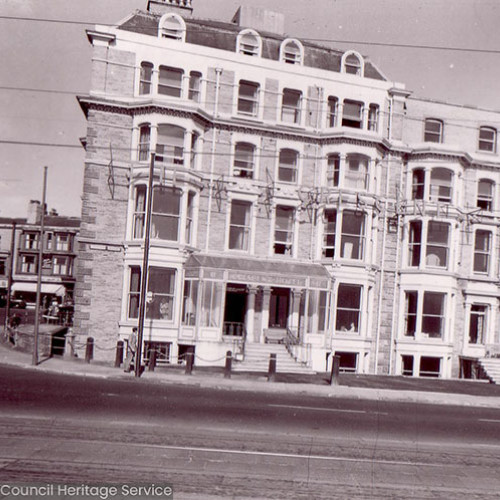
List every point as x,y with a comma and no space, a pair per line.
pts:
189,302
211,304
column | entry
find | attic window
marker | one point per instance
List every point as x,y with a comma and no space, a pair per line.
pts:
291,52
172,26
353,63
249,43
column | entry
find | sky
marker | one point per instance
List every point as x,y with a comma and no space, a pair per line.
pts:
37,56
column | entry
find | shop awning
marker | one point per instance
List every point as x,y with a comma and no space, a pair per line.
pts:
258,271
47,288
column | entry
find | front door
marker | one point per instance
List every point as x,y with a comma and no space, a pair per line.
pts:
279,307
235,309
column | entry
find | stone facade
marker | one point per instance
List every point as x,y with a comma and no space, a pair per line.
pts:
305,194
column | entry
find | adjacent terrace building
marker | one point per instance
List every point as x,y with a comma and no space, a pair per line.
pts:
299,195
19,254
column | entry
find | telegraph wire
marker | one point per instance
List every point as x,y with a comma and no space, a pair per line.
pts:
324,40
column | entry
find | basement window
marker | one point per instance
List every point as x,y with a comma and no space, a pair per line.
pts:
348,361
430,366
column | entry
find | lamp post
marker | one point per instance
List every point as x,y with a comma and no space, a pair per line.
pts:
39,277
144,274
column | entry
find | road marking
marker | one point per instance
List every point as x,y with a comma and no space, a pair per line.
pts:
489,420
317,409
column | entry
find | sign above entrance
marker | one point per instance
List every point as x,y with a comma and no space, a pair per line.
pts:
265,279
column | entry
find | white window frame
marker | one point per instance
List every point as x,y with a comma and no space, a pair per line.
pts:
295,169
345,64
423,261
143,81
249,50
488,145
432,135
172,90
291,57
352,329
247,229
482,336
287,111
253,100
251,168
290,243
419,334
485,253
486,201
429,189
179,34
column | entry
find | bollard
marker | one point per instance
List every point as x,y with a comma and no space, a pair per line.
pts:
334,377
69,346
229,362
119,354
271,374
189,362
89,351
152,359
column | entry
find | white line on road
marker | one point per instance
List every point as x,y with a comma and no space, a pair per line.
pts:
315,408
489,420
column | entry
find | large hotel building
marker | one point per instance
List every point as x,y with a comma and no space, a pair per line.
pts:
299,196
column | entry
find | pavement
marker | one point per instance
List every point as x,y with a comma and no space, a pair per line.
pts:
369,387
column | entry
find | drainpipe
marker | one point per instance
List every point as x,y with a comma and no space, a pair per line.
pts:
382,270
218,72
393,322
11,269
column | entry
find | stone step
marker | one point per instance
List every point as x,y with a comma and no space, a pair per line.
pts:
492,368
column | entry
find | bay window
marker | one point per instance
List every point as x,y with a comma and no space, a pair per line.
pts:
356,171
170,145
441,185
348,310
190,217
144,141
165,213
353,235
139,211
424,314
161,287
434,236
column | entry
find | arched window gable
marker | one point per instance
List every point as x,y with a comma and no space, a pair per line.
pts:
172,26
249,42
292,51
353,63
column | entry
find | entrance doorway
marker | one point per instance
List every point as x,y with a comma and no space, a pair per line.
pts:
235,309
279,307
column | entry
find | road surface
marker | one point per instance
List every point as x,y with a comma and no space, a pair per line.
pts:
230,444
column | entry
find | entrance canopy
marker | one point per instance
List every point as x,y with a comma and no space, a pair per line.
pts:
47,288
258,272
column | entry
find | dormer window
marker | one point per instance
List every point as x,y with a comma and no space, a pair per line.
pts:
291,52
353,63
249,43
172,26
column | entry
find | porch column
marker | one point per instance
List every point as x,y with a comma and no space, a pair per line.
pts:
295,309
266,300
250,314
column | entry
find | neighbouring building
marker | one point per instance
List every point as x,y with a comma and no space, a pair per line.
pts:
299,194
20,237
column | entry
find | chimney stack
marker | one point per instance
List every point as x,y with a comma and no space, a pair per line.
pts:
34,212
182,7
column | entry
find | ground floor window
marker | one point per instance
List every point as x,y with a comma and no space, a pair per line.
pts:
211,303
477,323
407,365
160,297
162,352
348,308
317,308
430,366
189,302
348,361
134,292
